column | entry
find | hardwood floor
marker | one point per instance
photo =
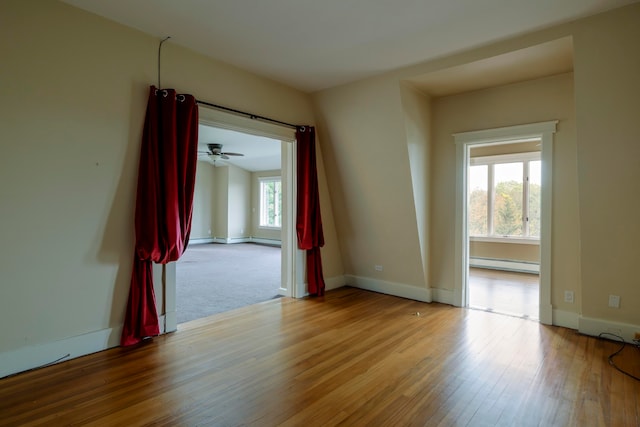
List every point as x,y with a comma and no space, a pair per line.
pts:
512,293
352,358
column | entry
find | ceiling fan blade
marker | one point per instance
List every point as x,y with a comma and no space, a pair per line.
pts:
232,154
224,156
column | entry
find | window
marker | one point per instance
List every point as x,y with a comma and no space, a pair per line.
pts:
271,202
504,196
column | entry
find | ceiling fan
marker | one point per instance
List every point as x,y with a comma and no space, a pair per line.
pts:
215,152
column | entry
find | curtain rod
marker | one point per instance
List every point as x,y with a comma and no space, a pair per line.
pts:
249,115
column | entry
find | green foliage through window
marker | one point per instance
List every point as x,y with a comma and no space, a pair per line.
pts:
270,202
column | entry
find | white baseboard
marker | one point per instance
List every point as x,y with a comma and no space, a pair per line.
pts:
27,358
261,241
591,326
32,357
505,264
231,240
444,296
201,241
334,282
390,288
329,284
566,319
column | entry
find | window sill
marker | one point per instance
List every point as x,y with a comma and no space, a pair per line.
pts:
266,227
515,240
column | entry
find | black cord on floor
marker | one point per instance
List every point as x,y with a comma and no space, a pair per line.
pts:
611,362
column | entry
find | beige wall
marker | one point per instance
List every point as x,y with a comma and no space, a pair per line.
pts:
221,197
505,251
607,55
416,108
596,165
365,147
233,200
239,202
74,89
202,221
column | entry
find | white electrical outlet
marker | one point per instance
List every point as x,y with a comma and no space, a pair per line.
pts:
614,301
568,296
378,267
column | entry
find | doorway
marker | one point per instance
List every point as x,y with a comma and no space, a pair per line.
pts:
292,259
503,213
234,253
542,132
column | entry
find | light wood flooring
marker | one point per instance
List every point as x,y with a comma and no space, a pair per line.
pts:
516,294
352,358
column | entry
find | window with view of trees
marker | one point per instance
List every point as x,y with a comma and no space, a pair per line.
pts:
270,202
504,196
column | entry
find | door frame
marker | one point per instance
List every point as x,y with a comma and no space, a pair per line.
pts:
504,135
293,260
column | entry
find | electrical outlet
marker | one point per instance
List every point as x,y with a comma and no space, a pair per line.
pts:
568,296
614,301
378,267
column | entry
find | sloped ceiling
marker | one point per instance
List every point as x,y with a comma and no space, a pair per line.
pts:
313,45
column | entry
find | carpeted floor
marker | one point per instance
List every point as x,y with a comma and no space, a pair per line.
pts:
212,278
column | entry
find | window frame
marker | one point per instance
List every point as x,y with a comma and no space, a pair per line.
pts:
261,204
525,158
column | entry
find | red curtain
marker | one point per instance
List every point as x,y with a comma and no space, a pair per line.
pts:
308,219
166,179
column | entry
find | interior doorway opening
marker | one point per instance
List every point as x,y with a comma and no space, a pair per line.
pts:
536,133
503,213
227,227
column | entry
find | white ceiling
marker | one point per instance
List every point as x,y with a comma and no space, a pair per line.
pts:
542,60
316,44
260,153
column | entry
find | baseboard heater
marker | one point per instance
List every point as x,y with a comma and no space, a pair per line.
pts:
505,264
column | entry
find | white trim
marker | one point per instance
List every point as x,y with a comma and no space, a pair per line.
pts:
566,319
26,358
391,288
231,240
505,264
505,158
511,240
443,296
225,120
268,242
593,327
505,135
201,241
334,282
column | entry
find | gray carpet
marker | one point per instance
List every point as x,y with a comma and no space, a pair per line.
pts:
213,278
